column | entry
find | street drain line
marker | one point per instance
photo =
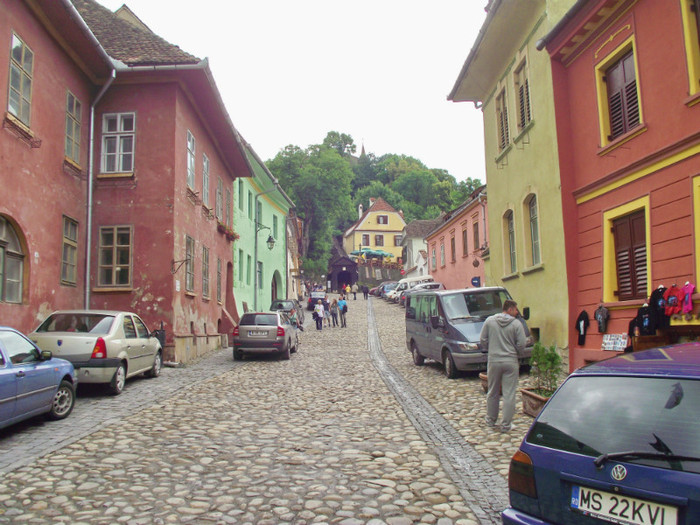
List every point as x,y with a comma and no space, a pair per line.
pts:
480,485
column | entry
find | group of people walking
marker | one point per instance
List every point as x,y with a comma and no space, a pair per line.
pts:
324,312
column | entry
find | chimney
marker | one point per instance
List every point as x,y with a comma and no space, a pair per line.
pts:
359,211
371,201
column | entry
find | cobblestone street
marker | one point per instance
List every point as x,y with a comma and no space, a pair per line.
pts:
348,431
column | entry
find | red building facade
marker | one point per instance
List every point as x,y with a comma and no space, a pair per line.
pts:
125,153
627,97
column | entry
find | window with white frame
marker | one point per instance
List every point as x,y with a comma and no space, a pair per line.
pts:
19,101
189,263
205,271
365,239
379,240
118,137
534,231
218,279
191,157
69,257
240,194
442,254
274,226
382,219
114,265
522,91
205,180
510,238
502,121
219,199
228,207
397,240
11,264
433,259
73,119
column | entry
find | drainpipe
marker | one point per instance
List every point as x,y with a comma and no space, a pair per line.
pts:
91,167
255,259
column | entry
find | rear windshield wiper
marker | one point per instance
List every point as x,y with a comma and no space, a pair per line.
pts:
598,462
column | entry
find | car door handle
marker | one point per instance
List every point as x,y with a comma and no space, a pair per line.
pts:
21,373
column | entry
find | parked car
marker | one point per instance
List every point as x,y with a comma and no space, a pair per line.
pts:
377,290
105,346
418,287
406,284
388,287
618,442
265,333
313,299
32,381
288,306
445,326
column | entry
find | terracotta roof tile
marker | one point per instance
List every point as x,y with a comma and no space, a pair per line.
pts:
124,41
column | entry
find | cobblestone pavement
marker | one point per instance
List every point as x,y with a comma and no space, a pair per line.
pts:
348,431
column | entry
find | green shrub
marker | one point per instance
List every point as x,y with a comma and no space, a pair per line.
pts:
545,368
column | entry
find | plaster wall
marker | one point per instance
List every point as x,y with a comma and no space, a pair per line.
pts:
38,188
528,167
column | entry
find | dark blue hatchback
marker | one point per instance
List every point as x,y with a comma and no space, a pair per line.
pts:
619,442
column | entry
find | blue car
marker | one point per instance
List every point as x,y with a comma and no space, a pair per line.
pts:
32,382
619,442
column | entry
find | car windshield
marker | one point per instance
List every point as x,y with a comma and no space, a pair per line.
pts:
282,305
595,415
474,304
96,324
259,319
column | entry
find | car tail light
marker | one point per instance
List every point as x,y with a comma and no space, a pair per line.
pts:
280,331
236,331
521,475
100,349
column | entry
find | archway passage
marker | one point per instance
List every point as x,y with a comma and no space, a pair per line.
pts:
344,278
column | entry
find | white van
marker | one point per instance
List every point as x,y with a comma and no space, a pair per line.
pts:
406,284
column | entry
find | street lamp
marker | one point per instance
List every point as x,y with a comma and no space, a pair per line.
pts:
270,242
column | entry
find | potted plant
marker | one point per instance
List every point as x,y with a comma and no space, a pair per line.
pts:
545,370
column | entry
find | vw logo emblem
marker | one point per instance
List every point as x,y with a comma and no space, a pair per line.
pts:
618,473
60,342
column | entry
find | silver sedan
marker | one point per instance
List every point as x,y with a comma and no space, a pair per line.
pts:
265,333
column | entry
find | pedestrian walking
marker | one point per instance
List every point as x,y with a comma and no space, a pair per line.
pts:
503,337
318,315
343,309
354,291
327,312
347,290
365,291
334,312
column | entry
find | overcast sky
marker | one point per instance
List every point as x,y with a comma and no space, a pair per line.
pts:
289,71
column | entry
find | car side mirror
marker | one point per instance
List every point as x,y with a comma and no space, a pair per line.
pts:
526,313
46,355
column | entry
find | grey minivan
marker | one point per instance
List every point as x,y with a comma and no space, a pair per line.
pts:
445,325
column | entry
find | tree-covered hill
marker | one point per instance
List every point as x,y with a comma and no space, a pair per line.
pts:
328,181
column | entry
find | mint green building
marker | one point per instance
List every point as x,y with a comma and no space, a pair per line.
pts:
260,213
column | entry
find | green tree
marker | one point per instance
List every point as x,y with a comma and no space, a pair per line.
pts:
340,142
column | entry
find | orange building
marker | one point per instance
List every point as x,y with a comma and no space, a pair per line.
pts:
627,93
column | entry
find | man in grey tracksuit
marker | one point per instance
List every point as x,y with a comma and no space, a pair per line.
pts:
504,338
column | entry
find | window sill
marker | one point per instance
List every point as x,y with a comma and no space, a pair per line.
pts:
523,132
692,100
205,299
21,130
190,294
72,167
619,305
115,289
622,139
116,175
533,269
503,154
510,276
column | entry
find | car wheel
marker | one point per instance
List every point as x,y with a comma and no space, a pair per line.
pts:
63,401
286,352
116,386
157,365
237,355
449,364
418,359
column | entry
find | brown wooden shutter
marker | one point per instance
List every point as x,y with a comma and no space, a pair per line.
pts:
630,256
623,102
524,98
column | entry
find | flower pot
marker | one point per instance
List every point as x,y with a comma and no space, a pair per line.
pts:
532,402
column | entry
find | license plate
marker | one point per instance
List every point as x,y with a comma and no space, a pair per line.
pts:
621,509
256,332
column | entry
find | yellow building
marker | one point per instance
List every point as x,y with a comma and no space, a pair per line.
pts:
378,228
511,81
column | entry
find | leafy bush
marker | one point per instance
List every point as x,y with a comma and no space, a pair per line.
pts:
546,367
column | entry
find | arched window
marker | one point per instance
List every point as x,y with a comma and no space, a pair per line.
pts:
509,226
534,231
11,264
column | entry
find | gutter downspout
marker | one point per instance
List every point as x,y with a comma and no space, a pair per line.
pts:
255,259
91,167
